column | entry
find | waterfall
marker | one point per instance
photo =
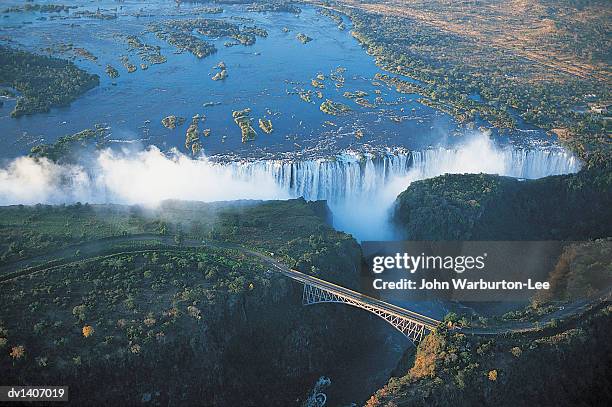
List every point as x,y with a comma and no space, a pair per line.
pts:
361,188
352,175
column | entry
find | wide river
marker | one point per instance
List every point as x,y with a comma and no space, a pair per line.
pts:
266,77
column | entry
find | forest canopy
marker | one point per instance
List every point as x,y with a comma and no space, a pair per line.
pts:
43,82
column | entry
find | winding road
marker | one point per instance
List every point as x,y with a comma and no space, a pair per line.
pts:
100,248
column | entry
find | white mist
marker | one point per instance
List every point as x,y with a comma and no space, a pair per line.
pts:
360,190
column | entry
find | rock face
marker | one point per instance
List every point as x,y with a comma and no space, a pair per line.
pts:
292,342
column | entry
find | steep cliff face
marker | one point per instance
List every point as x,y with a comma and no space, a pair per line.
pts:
490,207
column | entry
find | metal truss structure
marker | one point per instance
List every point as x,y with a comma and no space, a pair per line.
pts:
411,325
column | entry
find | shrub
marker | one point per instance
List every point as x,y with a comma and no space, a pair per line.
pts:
17,352
88,331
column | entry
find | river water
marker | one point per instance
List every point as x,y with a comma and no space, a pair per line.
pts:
264,77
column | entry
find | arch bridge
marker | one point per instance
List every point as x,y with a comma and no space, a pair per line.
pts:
412,325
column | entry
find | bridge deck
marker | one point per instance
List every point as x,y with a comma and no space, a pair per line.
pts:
428,322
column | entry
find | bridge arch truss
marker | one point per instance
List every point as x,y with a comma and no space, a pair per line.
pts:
410,327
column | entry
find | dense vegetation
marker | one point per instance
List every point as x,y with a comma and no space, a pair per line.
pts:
43,82
582,270
303,38
179,33
151,54
273,6
560,365
243,120
453,367
490,207
42,8
291,228
204,325
334,108
469,78
70,147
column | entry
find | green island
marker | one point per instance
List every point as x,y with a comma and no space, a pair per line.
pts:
98,14
338,77
71,50
172,121
317,84
306,95
359,98
178,33
70,147
365,103
40,8
192,136
125,61
303,38
275,6
254,32
355,95
111,72
266,125
334,108
43,82
205,9
243,120
151,54
82,52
